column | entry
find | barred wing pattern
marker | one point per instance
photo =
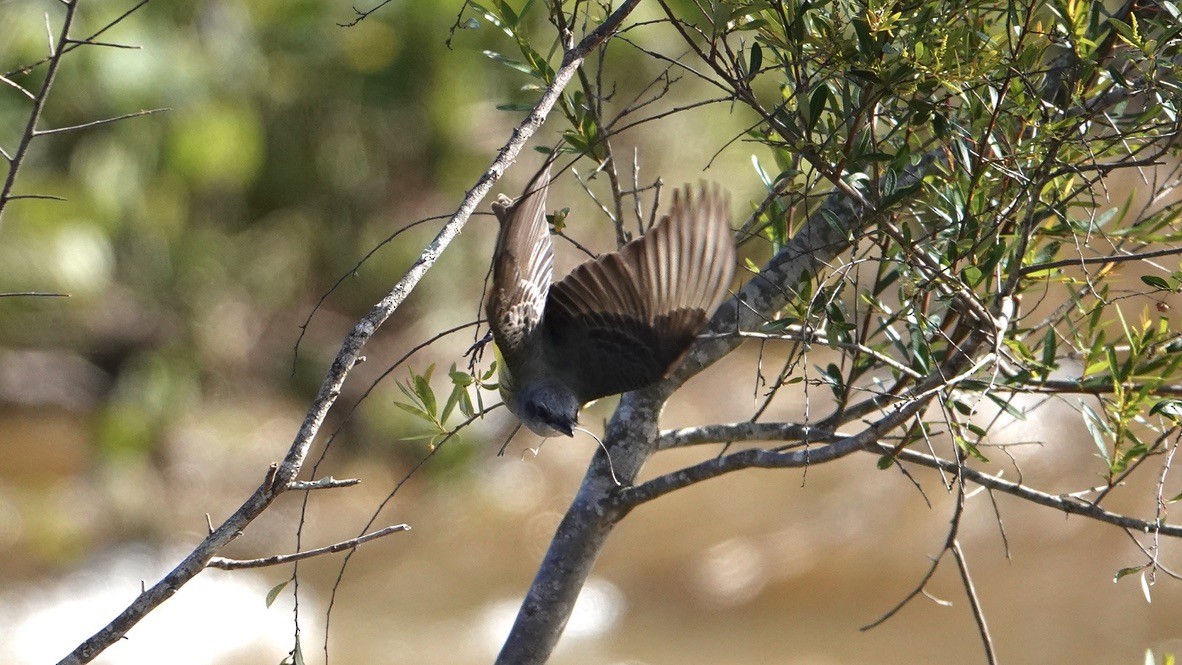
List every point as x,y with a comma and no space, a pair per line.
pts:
624,320
522,268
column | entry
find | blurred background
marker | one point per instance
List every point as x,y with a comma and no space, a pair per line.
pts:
195,242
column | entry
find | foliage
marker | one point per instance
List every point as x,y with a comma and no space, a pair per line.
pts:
960,176
1033,114
972,165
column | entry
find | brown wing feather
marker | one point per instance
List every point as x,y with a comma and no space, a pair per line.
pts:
522,267
622,321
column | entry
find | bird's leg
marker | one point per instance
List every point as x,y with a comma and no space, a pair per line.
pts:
476,351
508,439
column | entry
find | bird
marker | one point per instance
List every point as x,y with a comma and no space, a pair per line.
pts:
616,323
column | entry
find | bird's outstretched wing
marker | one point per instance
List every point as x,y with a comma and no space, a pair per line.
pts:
522,267
623,320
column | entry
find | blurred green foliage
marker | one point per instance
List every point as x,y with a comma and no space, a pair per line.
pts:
193,241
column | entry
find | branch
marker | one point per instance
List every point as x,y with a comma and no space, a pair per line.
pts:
278,559
744,431
280,478
95,123
1064,502
974,603
30,131
631,497
322,484
1106,260
1098,385
791,431
921,587
33,294
632,433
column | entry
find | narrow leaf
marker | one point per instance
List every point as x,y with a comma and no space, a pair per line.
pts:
1156,282
275,591
756,61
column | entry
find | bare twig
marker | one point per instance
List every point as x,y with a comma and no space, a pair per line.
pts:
360,15
921,587
322,484
1102,260
39,98
974,603
630,497
96,123
1067,503
278,559
33,294
295,353
744,431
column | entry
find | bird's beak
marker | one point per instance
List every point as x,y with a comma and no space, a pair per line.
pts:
567,429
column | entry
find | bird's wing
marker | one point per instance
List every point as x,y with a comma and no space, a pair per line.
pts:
622,321
522,267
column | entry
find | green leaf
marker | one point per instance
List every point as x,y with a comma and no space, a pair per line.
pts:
970,449
415,411
1156,282
275,591
1127,571
1096,428
509,62
756,61
1171,408
558,219
1048,348
424,392
452,400
961,408
900,194
460,378
1006,406
886,462
817,103
511,18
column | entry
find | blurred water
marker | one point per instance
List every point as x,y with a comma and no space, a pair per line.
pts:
220,617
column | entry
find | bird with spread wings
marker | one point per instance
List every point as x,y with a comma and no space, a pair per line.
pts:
616,323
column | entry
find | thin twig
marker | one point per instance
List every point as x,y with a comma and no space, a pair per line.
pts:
360,15
1104,260
278,559
30,131
95,123
974,603
1068,503
322,484
33,294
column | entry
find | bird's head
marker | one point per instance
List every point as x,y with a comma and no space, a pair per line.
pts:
548,408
